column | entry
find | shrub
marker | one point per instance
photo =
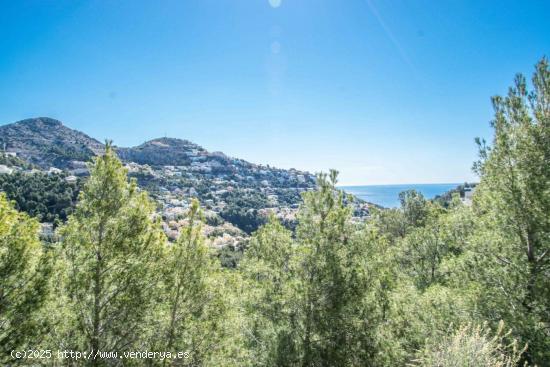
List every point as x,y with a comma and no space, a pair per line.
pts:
472,346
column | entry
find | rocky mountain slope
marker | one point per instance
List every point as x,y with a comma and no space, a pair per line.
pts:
46,142
161,152
237,196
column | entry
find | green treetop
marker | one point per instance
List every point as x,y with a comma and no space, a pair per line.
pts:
111,245
25,273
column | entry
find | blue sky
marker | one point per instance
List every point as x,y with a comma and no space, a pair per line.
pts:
384,91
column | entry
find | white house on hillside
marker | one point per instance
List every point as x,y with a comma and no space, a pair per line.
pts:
5,169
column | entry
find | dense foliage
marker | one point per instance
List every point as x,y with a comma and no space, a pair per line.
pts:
110,246
25,274
446,198
424,284
472,346
48,197
11,161
315,300
242,210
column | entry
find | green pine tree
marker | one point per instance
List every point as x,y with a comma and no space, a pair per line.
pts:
513,203
25,274
112,245
269,272
317,299
192,314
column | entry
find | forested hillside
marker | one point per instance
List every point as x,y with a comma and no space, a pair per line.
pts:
173,171
425,284
48,197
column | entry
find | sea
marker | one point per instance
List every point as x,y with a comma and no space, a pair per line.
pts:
388,195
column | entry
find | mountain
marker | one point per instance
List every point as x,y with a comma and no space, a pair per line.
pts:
178,152
46,142
161,152
232,191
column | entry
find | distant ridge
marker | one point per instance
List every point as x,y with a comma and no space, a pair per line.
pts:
47,142
162,151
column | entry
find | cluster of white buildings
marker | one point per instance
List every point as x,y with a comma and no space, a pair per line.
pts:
210,177
211,181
